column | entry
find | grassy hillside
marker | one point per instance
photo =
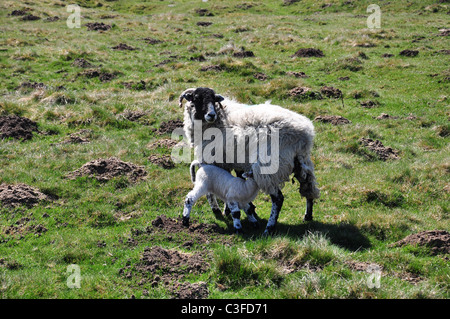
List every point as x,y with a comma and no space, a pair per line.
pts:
113,89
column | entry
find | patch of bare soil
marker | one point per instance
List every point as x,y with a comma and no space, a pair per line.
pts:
331,92
164,161
80,137
106,169
242,53
260,76
97,26
20,194
409,53
152,40
204,23
297,74
187,290
368,104
201,233
102,75
168,267
168,127
123,47
18,13
333,119
30,17
437,240
204,12
31,86
376,146
22,227
385,116
132,116
52,19
82,63
301,92
308,53
17,127
163,143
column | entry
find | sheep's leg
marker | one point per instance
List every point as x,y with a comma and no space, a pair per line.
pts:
249,210
277,203
213,203
189,202
304,173
309,209
236,215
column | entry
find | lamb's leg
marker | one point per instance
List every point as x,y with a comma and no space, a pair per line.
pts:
249,210
309,209
236,215
189,202
213,203
277,203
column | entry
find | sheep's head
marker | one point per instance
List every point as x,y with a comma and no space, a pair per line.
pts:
203,103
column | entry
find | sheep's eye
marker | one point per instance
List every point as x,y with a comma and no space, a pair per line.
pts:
196,96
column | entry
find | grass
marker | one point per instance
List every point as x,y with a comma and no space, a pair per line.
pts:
366,204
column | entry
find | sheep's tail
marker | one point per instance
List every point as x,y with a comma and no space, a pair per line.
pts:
192,169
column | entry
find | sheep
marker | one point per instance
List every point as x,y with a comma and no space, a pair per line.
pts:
206,110
235,191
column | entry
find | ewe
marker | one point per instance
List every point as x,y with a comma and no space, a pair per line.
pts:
248,129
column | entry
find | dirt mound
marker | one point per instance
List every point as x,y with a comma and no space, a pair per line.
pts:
260,76
308,53
201,231
168,267
132,116
163,143
297,74
243,53
204,23
17,13
437,240
106,169
20,194
17,127
333,119
80,137
376,146
30,17
163,161
186,290
97,26
123,47
82,63
444,32
368,104
301,92
204,12
385,116
152,40
31,85
102,75
409,53
331,92
168,127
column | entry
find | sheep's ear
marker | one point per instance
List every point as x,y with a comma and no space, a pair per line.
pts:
219,98
189,96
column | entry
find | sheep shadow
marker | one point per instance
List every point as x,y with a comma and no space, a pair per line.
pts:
345,235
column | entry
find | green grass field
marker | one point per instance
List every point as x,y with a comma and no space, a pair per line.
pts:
366,205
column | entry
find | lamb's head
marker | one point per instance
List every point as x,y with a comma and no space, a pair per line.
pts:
202,103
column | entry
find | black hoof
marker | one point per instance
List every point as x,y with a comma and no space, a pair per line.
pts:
308,218
268,232
185,221
217,212
238,231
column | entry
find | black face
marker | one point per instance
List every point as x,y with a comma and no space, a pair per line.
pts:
204,100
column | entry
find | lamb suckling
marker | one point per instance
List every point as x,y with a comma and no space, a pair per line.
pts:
235,191
227,120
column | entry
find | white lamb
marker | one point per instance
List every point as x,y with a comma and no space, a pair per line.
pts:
207,110
235,191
